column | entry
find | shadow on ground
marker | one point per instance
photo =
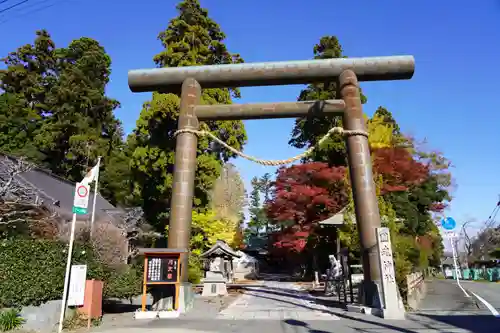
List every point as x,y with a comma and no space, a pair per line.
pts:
298,323
475,323
278,277
296,294
472,323
114,307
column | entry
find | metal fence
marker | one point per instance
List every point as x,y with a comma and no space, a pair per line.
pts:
477,274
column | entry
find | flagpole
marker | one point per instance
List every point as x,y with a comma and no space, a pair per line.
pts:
66,276
95,197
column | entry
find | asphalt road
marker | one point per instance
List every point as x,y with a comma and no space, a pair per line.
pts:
446,297
488,292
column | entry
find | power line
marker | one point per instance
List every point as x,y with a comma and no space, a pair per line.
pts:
13,6
492,217
35,10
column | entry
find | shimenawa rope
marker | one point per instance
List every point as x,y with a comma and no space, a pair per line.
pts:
309,151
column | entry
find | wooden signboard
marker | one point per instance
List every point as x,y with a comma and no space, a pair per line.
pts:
161,267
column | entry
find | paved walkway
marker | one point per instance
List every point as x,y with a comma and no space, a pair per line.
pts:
276,301
281,307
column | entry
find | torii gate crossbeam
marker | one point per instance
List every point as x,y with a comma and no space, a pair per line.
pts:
347,72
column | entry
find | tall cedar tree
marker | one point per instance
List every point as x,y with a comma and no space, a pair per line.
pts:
192,38
308,131
30,74
258,220
54,110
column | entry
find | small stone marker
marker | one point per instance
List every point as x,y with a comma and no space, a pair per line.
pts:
391,305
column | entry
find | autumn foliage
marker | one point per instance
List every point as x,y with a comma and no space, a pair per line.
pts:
292,239
307,193
304,194
398,168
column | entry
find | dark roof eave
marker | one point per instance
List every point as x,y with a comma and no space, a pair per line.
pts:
220,248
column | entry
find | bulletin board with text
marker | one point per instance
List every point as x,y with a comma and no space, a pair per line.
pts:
161,268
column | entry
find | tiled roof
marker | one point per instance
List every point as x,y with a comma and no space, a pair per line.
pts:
52,189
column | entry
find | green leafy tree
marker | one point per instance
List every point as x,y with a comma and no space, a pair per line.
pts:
115,181
18,123
30,74
54,110
495,253
388,119
227,197
192,38
80,125
308,131
258,218
265,186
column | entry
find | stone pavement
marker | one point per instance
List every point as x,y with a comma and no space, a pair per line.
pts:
354,323
276,301
281,307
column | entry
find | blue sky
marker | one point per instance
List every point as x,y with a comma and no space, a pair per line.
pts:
452,101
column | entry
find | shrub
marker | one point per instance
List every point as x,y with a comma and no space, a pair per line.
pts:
109,242
10,320
125,283
195,271
402,269
32,271
75,320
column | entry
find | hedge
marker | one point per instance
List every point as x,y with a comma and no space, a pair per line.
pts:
124,284
32,271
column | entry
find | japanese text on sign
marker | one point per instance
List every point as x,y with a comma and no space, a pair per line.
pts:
154,269
76,293
386,259
171,270
162,270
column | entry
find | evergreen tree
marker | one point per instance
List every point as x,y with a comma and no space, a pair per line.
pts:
80,124
54,110
388,118
192,38
308,131
257,215
261,187
30,74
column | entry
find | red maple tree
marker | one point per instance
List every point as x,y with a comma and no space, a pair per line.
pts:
307,193
303,195
290,239
398,168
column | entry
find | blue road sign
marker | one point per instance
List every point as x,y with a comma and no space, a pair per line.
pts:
448,223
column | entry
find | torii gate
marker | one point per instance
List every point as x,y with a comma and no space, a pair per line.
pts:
189,81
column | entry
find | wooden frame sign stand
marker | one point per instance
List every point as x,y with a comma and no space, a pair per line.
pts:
161,267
